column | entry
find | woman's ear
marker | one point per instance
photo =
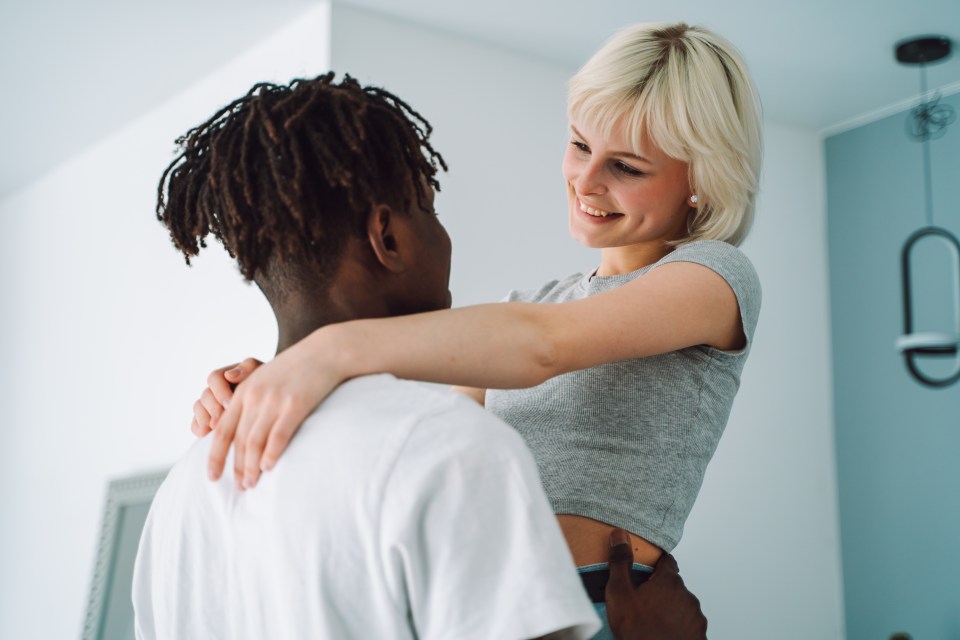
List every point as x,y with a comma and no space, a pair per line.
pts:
382,228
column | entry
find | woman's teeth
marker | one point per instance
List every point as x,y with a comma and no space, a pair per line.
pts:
597,213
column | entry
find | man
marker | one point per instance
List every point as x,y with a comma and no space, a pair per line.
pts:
399,511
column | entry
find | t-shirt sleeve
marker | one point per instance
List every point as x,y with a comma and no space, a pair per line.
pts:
466,523
733,266
537,295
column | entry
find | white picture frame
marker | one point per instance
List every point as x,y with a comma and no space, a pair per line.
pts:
109,607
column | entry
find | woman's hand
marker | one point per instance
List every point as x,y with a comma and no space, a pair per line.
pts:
262,414
215,398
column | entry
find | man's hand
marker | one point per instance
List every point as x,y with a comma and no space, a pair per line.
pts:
659,609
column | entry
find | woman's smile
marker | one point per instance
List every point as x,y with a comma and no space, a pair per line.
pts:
598,215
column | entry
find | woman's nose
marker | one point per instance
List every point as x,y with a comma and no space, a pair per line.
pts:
590,180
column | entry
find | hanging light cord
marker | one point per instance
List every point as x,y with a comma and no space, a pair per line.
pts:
929,120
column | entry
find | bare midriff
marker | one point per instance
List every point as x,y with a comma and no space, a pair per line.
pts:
589,541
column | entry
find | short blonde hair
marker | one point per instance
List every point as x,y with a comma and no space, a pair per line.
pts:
689,91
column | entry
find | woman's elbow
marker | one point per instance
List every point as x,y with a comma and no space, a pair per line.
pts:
547,359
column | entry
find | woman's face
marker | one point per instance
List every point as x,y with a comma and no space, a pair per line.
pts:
618,198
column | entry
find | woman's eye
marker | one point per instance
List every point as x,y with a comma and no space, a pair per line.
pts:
627,169
580,146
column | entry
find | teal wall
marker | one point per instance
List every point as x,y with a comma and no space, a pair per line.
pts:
898,443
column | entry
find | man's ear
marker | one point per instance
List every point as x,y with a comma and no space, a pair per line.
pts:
382,234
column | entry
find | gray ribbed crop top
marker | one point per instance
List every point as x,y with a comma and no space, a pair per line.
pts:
628,443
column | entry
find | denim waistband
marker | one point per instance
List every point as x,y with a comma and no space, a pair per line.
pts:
595,577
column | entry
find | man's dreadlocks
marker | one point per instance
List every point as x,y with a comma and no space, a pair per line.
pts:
291,171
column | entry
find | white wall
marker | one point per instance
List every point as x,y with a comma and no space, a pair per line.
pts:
107,336
761,547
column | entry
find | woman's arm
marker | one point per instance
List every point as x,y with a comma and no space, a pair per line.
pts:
507,345
477,395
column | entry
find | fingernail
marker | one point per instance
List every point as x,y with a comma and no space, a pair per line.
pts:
249,482
618,537
266,465
233,373
226,403
213,475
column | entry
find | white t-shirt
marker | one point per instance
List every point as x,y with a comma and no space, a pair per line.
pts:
398,511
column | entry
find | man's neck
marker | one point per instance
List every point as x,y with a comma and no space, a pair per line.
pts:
294,328
301,316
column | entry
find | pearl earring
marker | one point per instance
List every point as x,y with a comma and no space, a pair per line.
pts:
694,199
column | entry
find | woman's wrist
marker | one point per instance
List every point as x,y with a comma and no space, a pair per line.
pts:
332,346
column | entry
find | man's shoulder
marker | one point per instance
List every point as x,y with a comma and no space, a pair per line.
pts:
394,415
384,398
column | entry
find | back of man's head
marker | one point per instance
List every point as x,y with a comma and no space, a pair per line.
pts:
285,176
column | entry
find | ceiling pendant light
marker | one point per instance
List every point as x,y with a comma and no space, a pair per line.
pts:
928,120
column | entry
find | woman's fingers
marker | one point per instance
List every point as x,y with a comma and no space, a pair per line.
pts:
278,439
218,394
212,405
197,430
239,451
219,386
201,420
246,425
259,421
266,440
240,372
222,439
255,440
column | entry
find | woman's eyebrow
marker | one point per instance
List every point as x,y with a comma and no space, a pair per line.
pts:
627,154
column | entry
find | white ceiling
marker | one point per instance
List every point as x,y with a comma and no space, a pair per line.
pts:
73,72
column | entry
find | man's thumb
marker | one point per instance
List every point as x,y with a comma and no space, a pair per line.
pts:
621,562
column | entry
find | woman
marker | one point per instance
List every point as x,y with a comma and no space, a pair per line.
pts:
621,390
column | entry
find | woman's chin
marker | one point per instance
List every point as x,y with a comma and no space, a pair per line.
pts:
585,238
